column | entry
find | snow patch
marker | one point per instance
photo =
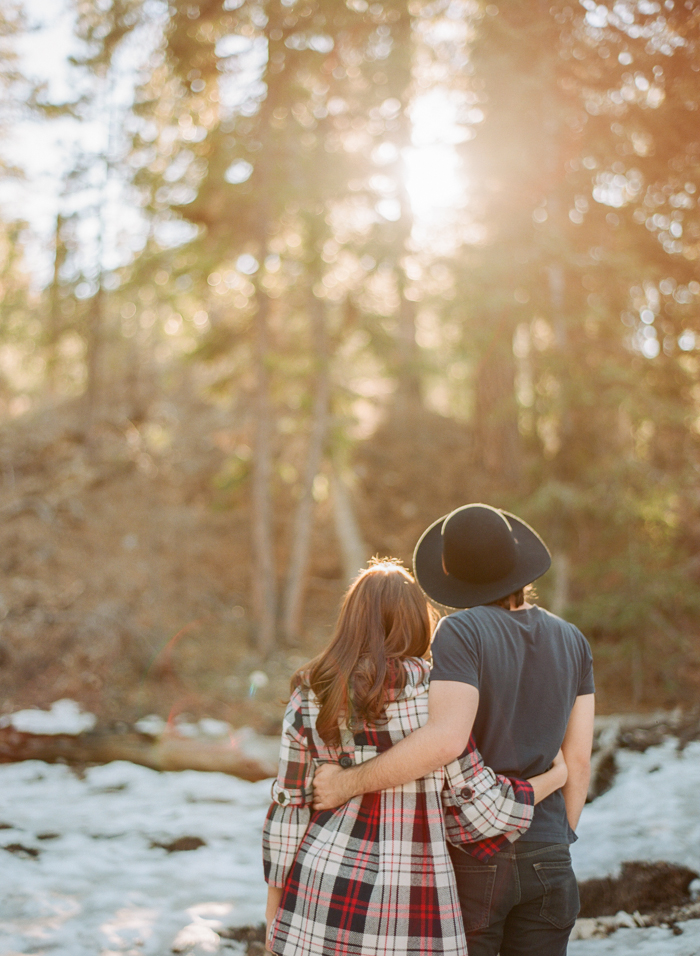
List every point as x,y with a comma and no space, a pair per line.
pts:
651,813
99,887
64,717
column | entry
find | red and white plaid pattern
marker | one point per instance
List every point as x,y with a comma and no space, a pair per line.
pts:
373,877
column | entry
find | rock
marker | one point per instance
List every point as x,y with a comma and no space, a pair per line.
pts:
26,852
245,934
180,845
253,938
625,919
587,928
603,765
642,887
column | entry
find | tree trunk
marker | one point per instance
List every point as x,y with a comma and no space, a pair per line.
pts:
54,325
408,392
95,325
303,523
497,439
561,570
556,281
408,386
353,547
264,573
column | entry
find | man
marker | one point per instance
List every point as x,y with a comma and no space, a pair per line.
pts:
522,679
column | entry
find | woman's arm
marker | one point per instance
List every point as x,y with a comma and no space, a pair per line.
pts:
288,817
479,804
482,805
553,779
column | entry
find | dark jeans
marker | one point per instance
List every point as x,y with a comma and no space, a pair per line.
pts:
523,902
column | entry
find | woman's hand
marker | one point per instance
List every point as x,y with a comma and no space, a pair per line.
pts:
274,896
553,779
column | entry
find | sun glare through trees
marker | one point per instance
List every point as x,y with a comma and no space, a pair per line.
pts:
323,270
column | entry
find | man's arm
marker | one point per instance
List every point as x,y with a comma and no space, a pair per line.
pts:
577,746
452,708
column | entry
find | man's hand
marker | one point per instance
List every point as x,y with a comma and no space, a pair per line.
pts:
332,786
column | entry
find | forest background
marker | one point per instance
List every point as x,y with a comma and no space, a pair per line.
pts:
307,275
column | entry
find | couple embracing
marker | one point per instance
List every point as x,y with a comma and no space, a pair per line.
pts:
429,809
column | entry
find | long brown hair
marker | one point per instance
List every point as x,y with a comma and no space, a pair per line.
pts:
384,618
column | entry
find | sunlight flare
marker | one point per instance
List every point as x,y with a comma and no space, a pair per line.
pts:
433,180
434,176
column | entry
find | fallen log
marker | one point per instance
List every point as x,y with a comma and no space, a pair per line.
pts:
246,754
253,757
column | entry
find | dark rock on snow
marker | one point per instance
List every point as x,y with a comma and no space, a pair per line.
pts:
640,887
179,845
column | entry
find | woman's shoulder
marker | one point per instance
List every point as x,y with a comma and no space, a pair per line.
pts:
301,712
417,672
417,668
301,699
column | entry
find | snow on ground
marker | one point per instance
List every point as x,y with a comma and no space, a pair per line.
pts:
643,942
98,887
64,717
651,813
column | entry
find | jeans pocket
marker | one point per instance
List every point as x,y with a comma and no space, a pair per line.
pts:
475,888
560,904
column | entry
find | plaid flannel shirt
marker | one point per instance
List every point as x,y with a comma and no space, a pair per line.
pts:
373,878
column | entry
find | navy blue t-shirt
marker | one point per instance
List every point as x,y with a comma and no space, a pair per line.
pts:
529,667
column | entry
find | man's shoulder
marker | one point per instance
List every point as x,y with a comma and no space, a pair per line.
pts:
490,619
469,616
551,620
465,622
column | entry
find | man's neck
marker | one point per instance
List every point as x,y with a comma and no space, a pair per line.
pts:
523,607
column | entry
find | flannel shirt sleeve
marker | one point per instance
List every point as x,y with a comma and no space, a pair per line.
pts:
292,794
480,804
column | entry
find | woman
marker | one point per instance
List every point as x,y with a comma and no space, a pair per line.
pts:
374,876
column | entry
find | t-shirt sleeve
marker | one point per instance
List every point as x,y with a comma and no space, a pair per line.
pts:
586,683
455,653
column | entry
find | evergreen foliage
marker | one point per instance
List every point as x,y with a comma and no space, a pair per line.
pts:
552,313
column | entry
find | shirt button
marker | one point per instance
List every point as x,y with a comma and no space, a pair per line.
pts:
283,797
345,761
466,793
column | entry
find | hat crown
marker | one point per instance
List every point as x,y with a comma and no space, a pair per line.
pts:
478,545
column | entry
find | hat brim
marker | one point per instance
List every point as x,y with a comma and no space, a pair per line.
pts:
532,561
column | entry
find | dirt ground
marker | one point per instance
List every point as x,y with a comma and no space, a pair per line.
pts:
125,572
125,568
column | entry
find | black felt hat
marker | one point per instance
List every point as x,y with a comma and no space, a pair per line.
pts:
476,555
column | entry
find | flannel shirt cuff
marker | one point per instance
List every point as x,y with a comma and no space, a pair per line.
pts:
523,791
485,806
288,796
283,832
